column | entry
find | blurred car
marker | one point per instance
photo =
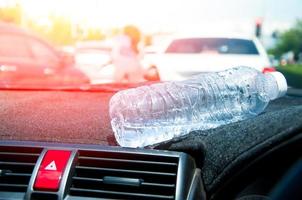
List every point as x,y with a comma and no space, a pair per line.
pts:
27,59
183,57
93,53
93,58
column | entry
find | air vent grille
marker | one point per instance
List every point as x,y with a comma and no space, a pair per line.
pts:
16,165
113,175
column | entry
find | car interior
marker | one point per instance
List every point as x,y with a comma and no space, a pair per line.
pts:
62,61
250,159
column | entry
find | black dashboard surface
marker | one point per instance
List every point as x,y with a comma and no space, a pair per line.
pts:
70,117
56,116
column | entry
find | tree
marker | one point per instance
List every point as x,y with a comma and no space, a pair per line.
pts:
58,32
11,14
290,40
61,31
94,34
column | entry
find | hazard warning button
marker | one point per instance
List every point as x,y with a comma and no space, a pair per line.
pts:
51,170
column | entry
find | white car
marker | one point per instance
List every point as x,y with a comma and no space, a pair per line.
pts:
92,58
183,57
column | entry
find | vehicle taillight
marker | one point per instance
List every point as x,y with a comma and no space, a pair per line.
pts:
268,69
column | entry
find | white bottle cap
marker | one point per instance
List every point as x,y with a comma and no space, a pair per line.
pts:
281,82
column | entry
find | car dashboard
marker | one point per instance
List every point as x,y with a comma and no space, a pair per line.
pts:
236,161
35,171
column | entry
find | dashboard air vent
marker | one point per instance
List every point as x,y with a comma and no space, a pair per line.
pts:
16,166
124,175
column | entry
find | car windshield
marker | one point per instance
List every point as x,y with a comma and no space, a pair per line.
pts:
55,44
213,45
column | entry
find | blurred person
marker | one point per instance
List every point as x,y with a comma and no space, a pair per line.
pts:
126,56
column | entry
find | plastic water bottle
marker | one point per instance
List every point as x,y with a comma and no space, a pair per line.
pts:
151,114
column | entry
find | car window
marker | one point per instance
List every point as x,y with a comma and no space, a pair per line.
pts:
13,46
213,45
41,51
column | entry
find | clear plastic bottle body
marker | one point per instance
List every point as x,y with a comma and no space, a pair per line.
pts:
152,114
